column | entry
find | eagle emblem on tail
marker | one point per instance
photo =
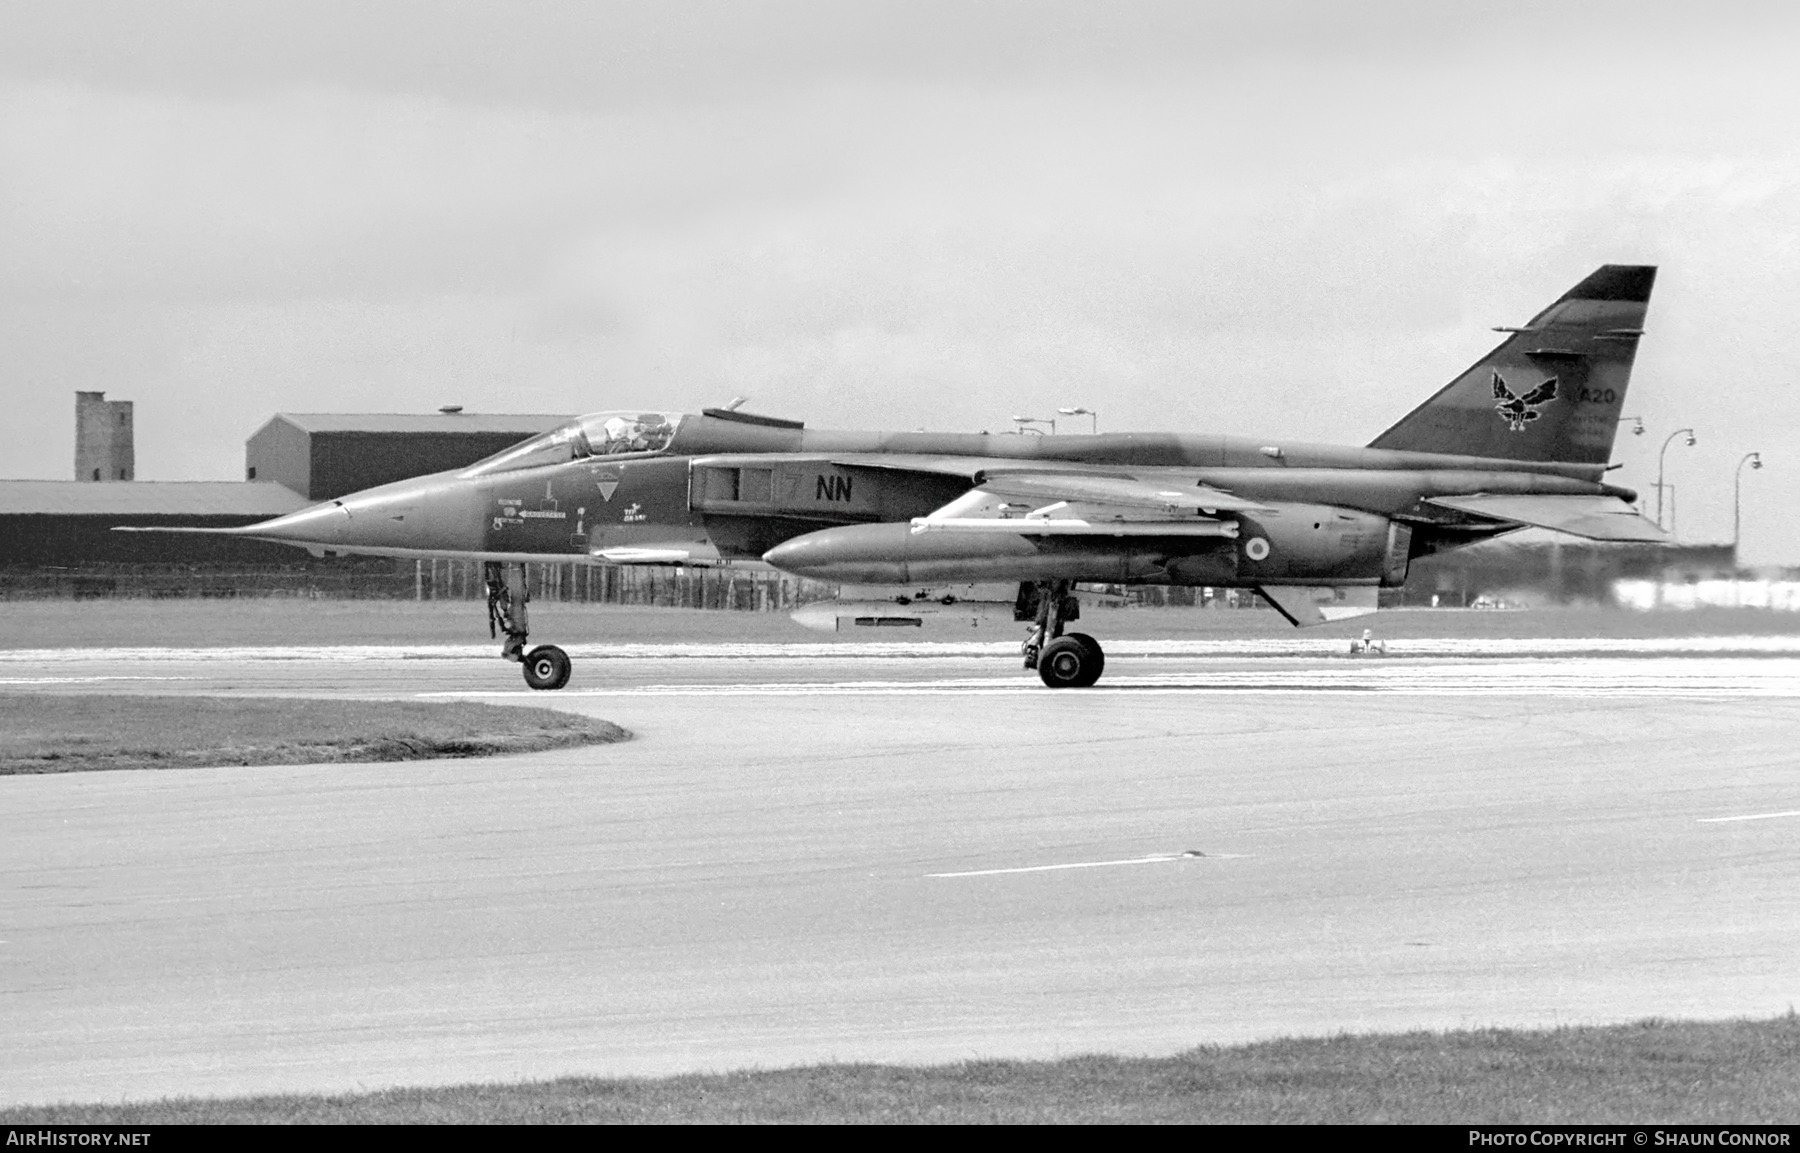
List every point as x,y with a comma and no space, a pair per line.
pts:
1518,411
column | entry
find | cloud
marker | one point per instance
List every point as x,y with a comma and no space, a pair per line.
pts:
294,194
1295,222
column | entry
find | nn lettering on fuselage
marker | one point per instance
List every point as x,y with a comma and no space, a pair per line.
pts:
832,488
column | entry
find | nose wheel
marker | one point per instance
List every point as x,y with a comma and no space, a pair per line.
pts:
546,667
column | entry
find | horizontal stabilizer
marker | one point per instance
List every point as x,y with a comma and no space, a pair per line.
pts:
1306,605
1593,517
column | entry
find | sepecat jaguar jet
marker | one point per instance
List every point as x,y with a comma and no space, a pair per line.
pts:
1520,438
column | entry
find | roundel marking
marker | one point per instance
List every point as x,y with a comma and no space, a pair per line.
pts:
1256,548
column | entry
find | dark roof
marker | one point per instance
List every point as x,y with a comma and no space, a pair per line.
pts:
147,498
524,424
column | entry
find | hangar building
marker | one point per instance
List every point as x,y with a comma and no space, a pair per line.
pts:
323,455
56,539
56,522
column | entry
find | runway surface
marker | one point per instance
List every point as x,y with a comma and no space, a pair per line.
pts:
905,853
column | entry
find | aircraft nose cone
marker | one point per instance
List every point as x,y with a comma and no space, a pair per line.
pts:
427,513
318,524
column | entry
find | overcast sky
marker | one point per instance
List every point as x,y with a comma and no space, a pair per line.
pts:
1293,219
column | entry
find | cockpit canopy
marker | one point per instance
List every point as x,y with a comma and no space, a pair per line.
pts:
599,434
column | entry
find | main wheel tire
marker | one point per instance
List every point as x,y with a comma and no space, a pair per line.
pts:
546,667
1092,646
1067,663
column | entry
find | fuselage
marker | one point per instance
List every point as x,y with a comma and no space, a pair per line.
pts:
705,488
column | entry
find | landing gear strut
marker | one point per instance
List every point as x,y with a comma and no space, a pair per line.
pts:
1074,661
546,667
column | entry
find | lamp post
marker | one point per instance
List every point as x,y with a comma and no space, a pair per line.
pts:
1091,414
1659,468
1754,460
1637,424
1022,421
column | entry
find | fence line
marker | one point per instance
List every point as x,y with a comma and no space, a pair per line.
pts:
713,588
723,588
697,588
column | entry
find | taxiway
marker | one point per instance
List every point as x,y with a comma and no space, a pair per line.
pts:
903,854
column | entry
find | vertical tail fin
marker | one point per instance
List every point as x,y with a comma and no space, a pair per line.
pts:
1554,388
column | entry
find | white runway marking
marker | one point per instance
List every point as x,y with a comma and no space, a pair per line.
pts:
1692,677
84,680
1298,646
1156,858
1750,817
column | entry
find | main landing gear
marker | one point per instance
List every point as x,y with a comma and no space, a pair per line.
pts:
1072,661
546,667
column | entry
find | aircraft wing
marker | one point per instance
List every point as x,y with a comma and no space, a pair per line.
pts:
1036,503
1168,495
1594,517
1056,498
970,468
1167,489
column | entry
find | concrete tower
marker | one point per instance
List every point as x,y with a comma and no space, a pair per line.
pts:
103,438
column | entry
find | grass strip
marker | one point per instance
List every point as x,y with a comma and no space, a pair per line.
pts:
81,733
1651,1072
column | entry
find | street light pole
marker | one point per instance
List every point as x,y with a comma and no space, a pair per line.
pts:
1754,460
1087,412
1022,421
1659,468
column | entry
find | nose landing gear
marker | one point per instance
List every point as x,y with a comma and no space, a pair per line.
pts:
546,667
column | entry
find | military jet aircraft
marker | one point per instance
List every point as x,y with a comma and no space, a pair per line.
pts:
1520,438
